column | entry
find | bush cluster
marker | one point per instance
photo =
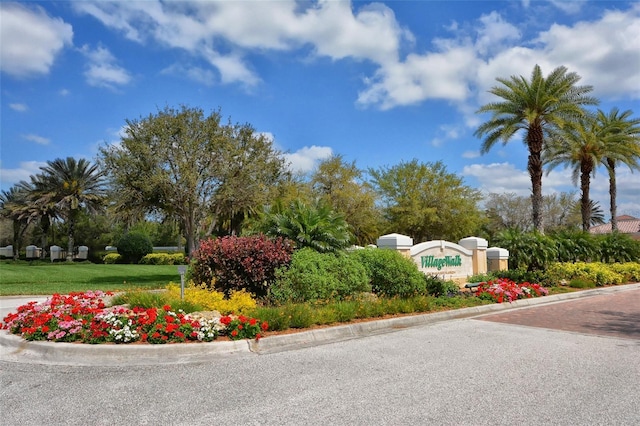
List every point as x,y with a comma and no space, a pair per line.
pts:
111,258
533,251
314,276
238,302
390,273
163,259
133,246
597,272
237,263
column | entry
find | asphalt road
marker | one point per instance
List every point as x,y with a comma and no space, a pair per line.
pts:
457,372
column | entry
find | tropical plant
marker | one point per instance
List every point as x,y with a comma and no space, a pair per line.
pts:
536,106
624,148
527,250
71,186
13,205
315,226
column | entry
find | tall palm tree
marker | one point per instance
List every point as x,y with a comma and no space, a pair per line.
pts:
39,210
12,206
71,186
624,148
535,106
581,147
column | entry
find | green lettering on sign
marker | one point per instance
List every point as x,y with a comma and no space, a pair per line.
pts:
440,262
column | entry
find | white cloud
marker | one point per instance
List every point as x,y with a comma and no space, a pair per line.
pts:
9,177
31,40
305,159
200,75
471,154
63,92
102,70
19,107
37,139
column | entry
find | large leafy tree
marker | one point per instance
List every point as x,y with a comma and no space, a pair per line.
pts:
340,185
535,106
181,164
623,148
70,186
426,202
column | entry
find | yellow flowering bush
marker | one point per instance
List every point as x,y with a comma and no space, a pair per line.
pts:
163,259
111,258
239,302
630,271
599,273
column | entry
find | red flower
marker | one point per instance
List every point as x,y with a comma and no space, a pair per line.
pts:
240,327
168,318
252,321
234,333
258,336
155,335
264,326
226,320
167,308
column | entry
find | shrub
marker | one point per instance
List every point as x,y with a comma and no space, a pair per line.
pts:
237,263
391,273
580,283
600,273
438,287
163,259
239,302
314,276
133,246
112,258
525,276
527,250
629,270
618,247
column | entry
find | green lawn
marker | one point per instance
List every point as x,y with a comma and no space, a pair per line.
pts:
46,278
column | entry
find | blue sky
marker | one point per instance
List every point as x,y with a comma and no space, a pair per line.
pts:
376,82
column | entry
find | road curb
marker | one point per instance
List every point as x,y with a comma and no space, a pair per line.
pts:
15,349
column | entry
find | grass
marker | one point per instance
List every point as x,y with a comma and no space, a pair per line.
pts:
43,278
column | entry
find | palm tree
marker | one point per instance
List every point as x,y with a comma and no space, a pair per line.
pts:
580,146
12,206
38,210
71,186
535,106
316,226
625,148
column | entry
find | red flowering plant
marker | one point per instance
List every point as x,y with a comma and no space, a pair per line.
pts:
241,327
84,317
506,290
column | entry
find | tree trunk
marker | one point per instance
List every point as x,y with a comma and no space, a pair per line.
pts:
535,143
72,225
611,168
585,180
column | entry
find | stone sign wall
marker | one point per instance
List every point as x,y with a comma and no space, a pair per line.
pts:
443,258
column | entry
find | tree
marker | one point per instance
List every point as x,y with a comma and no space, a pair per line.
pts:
624,148
12,207
70,186
184,165
339,184
40,210
315,226
426,202
535,106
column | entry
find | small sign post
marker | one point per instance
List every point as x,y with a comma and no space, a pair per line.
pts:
181,270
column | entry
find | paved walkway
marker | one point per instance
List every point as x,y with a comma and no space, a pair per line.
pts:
612,314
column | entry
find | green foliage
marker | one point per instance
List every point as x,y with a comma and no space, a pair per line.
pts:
391,273
438,287
599,273
527,250
111,258
163,259
314,276
316,226
581,283
149,299
525,276
133,246
575,246
426,202
618,247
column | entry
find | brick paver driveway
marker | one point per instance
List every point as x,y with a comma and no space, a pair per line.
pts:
615,315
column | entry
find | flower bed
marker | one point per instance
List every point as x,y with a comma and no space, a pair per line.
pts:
85,318
506,290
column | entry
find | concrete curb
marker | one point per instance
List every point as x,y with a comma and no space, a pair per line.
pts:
15,349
